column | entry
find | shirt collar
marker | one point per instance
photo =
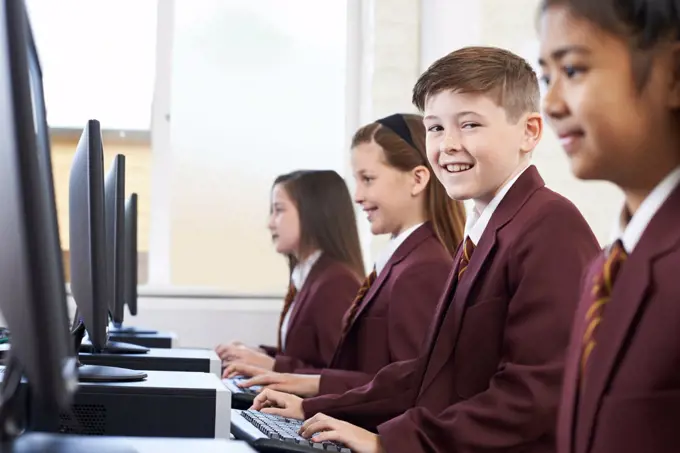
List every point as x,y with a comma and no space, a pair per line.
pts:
302,270
630,229
477,221
392,247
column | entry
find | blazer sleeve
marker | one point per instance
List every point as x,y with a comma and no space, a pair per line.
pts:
413,297
520,405
391,392
331,300
271,351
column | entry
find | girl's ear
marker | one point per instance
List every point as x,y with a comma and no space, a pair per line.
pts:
421,177
674,89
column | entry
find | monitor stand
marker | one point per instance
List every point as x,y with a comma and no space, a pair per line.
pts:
114,347
97,373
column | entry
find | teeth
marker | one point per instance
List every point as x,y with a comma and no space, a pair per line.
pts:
456,168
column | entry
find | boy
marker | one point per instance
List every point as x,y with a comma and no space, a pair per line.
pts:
613,97
491,371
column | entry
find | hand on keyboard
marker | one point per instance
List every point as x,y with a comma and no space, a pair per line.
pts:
322,428
244,354
277,403
287,430
298,384
243,369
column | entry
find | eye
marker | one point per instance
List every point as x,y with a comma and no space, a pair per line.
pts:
572,71
470,125
545,79
435,128
367,179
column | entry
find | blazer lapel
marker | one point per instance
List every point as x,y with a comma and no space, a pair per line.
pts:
629,293
418,236
305,291
415,239
447,332
573,362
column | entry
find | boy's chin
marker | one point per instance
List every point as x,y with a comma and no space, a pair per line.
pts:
460,193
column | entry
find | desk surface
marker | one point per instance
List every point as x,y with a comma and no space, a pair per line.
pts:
59,443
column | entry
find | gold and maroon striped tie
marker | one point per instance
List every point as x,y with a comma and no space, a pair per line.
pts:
601,295
468,249
356,303
287,302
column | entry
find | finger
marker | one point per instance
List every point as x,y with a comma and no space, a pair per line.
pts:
259,401
251,370
315,424
262,379
317,427
230,370
330,436
276,411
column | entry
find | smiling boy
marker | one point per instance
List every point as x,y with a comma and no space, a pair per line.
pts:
491,374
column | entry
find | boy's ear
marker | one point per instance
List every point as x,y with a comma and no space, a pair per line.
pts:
674,91
421,177
533,130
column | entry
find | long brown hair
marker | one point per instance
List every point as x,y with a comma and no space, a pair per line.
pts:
405,154
327,218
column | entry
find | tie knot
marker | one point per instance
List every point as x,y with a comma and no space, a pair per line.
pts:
468,248
292,291
371,277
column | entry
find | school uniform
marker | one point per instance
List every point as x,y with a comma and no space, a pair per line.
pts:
490,377
323,291
622,378
390,320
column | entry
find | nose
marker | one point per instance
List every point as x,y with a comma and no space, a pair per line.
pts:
359,194
270,222
554,105
449,144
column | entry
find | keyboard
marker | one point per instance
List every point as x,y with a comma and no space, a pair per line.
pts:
272,433
241,398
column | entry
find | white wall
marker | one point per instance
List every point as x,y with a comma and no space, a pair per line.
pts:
257,90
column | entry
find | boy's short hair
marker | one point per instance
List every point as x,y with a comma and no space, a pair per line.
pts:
507,78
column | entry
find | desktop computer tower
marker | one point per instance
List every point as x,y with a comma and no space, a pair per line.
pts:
178,359
166,404
164,340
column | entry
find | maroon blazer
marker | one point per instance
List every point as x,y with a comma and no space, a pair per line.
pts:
315,322
631,398
491,375
393,319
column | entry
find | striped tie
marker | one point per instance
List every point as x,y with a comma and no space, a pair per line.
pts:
354,308
468,249
287,302
601,294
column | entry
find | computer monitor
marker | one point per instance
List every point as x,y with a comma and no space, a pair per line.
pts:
114,192
90,265
131,254
34,298
130,269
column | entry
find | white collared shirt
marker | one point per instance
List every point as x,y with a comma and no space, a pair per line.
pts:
477,221
631,233
392,247
298,278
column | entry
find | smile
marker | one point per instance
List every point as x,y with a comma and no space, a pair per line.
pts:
457,168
